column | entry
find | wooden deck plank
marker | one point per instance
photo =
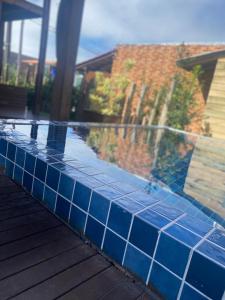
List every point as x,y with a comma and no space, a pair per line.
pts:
41,258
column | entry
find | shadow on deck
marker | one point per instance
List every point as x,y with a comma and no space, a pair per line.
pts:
41,258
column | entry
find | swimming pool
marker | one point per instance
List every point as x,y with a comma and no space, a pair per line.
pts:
153,199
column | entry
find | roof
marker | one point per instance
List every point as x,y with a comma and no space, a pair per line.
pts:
20,10
99,63
200,59
35,62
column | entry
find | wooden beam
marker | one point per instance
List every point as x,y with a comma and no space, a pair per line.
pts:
42,57
7,50
19,52
12,7
68,33
1,39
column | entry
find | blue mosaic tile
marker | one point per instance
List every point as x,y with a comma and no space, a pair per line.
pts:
75,164
52,178
206,276
20,157
169,212
123,187
153,218
90,171
27,181
218,237
105,178
18,174
213,251
9,167
30,163
2,161
77,219
11,152
114,246
40,169
190,294
137,263
49,198
62,208
62,167
81,196
172,254
46,158
195,225
143,198
66,185
3,147
38,189
165,282
108,192
94,231
119,220
129,204
99,207
183,235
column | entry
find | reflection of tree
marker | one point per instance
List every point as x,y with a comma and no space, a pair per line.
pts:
173,160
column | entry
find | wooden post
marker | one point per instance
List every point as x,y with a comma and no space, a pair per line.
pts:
127,104
19,52
7,50
1,39
68,33
139,105
42,57
152,115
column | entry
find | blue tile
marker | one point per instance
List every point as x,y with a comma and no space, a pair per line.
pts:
20,157
49,198
18,174
9,167
137,263
11,152
129,204
143,236
123,187
40,169
213,251
89,171
30,163
62,208
143,198
105,178
168,211
153,218
66,185
2,161
165,282
27,181
99,207
3,147
38,189
82,195
172,254
77,219
119,220
52,178
206,276
218,237
90,182
195,225
114,246
94,231
190,294
183,235
108,192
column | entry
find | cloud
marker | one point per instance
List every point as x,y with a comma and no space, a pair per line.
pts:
109,22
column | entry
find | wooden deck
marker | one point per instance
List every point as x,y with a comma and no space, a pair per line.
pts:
41,258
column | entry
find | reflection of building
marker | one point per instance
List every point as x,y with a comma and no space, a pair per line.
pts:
205,180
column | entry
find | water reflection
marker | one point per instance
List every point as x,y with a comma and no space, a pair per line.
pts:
189,165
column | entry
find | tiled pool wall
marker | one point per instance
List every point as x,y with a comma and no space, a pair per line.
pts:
181,256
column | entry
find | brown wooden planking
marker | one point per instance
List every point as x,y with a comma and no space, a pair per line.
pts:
35,256
33,241
70,278
109,282
24,280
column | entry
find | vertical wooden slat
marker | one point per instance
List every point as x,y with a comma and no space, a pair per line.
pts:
42,57
19,53
7,50
68,33
1,39
140,102
127,104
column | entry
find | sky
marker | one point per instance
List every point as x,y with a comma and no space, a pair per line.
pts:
107,23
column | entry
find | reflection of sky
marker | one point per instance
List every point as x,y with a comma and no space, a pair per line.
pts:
175,166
